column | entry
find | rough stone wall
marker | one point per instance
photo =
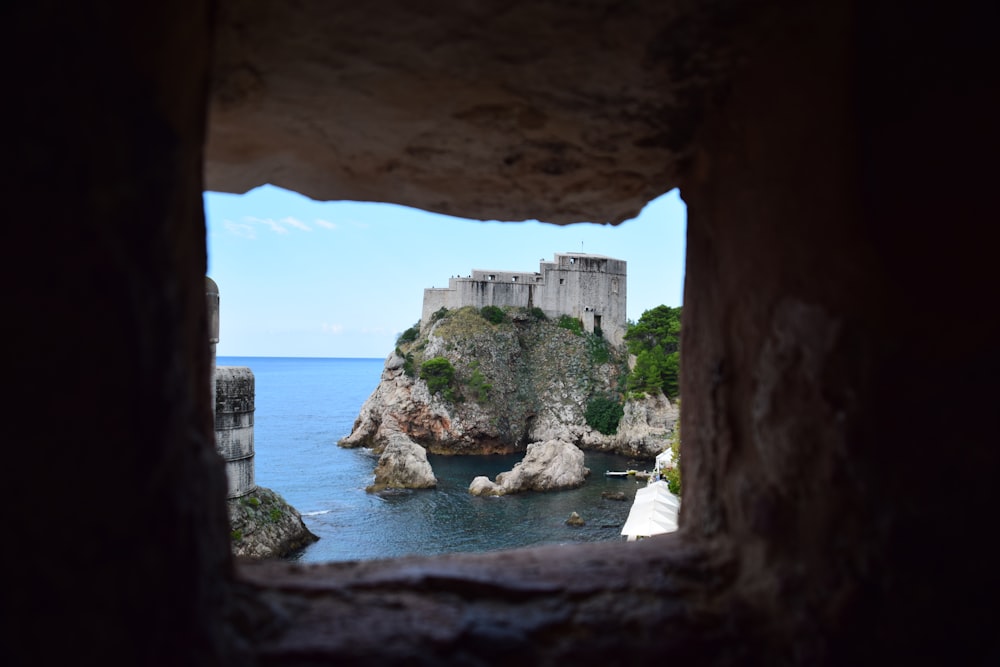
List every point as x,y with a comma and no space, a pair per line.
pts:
234,414
121,550
588,287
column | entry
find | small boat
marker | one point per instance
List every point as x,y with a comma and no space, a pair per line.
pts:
614,473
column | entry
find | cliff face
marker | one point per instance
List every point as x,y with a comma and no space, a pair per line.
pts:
520,381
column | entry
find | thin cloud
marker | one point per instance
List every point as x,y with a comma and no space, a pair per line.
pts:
326,224
270,223
240,229
334,329
295,222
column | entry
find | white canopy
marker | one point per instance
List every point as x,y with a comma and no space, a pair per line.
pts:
664,458
654,511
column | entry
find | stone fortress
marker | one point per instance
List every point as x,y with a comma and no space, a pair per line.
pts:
588,287
233,394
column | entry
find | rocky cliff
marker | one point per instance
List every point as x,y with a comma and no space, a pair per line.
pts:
264,526
522,380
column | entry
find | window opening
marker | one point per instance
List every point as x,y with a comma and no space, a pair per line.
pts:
225,242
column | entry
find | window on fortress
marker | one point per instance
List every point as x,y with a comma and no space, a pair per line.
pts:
562,281
513,279
491,277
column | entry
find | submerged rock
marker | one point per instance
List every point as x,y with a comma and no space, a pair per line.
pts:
263,525
575,520
403,465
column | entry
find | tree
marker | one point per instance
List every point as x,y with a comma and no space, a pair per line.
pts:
655,341
603,414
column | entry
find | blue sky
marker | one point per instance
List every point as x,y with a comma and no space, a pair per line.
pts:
301,278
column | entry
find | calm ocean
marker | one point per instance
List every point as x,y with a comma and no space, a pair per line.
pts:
304,406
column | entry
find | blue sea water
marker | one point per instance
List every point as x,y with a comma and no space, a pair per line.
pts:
305,405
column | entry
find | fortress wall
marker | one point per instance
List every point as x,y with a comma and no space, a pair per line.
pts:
587,287
234,409
502,291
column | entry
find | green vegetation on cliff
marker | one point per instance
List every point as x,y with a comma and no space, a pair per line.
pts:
655,341
673,473
504,368
603,414
439,375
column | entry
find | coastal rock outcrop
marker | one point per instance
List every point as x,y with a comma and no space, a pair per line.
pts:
524,379
263,525
403,465
518,381
547,466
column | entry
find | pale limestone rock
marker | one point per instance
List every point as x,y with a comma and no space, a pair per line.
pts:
546,466
482,486
646,426
403,465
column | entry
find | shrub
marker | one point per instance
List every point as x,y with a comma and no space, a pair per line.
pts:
478,383
537,314
603,414
439,313
573,324
438,373
673,473
492,314
598,347
408,368
409,335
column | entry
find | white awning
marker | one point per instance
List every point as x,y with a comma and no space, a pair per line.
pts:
654,511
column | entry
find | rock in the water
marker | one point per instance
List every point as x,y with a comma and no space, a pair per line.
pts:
575,520
547,466
263,525
613,495
482,486
403,465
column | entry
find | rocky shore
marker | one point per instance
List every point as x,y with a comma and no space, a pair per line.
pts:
521,385
263,525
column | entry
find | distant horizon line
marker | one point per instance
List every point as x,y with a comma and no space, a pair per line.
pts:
271,356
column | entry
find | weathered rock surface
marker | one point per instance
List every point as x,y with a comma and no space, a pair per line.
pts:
264,525
298,95
575,520
546,466
535,380
403,465
646,426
